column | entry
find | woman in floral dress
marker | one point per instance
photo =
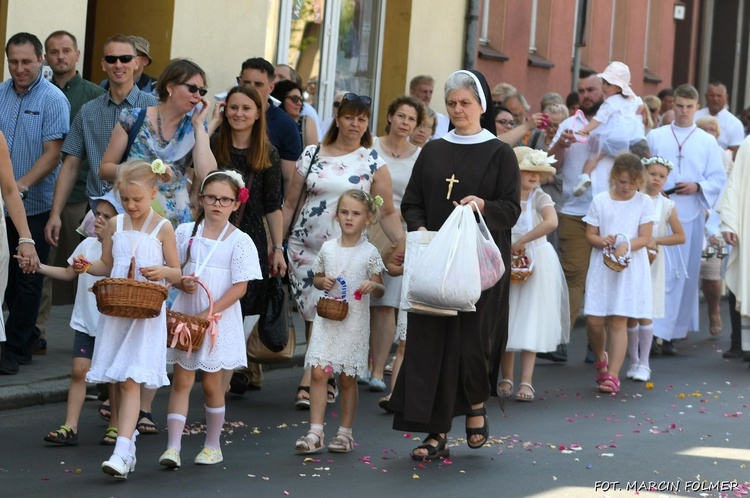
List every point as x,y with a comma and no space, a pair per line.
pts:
345,160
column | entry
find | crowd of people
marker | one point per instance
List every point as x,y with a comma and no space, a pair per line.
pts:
615,206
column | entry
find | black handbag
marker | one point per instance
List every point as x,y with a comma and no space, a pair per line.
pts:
273,328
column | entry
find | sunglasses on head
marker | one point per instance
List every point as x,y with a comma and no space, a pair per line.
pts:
195,88
350,97
111,59
295,98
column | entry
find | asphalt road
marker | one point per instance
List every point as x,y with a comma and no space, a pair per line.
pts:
687,435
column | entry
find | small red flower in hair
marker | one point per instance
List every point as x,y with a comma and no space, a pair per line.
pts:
243,195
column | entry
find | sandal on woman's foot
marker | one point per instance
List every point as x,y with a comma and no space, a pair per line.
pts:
525,392
385,403
302,400
146,427
609,384
64,436
505,391
602,365
341,443
434,451
311,442
105,412
715,324
483,431
333,391
110,437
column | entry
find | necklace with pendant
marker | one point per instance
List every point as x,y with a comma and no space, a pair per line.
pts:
158,126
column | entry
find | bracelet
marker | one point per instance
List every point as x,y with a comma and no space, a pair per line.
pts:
26,241
280,248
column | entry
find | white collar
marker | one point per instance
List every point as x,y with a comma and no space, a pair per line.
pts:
478,138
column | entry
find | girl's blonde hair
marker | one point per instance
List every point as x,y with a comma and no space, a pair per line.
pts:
366,199
138,172
630,164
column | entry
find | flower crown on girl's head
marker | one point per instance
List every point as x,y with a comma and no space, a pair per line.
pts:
242,193
648,161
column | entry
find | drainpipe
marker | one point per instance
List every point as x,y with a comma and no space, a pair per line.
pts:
472,28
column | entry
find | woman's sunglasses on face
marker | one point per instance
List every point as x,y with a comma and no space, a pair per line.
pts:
195,88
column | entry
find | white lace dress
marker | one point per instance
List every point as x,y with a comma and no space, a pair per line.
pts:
234,260
344,345
127,348
625,293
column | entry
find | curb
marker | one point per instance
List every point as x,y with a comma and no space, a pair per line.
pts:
55,390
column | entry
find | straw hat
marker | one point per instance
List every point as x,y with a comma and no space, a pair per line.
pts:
534,160
617,73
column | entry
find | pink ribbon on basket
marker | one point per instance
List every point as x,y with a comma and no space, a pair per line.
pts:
181,334
213,328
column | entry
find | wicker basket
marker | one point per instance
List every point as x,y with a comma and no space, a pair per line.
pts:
334,308
521,267
129,298
189,336
611,263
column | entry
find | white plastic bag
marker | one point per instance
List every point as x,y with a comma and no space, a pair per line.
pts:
416,244
447,275
491,266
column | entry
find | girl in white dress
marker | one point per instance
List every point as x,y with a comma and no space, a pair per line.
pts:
133,352
342,346
529,331
225,259
621,220
617,123
667,232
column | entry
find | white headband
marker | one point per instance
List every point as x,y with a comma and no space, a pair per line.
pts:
480,90
236,177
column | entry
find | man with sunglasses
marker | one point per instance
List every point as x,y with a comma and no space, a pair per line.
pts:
92,127
34,116
142,80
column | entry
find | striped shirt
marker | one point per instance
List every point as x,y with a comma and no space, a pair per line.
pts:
92,128
40,114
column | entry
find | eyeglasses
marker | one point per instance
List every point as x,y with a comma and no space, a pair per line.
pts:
506,123
351,97
295,98
111,59
211,200
195,88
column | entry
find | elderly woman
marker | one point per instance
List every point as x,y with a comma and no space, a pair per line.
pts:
711,268
173,131
345,160
445,371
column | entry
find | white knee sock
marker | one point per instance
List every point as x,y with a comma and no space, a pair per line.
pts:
745,328
214,423
633,344
645,336
122,447
175,425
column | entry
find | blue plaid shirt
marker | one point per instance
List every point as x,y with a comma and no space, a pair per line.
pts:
92,128
40,114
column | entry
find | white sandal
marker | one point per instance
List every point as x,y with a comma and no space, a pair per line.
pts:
312,442
505,392
525,395
342,443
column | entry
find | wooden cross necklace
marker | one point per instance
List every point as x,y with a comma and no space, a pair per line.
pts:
679,146
451,181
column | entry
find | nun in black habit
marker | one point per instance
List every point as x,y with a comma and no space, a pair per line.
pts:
450,363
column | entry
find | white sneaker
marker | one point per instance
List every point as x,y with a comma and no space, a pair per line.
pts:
584,182
643,374
632,370
118,466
